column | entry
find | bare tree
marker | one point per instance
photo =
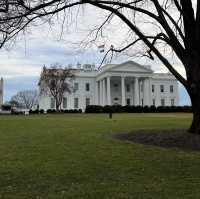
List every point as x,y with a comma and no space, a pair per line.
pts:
25,99
56,81
171,23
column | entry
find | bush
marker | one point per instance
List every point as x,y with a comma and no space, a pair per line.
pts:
160,109
94,109
107,109
153,109
51,111
187,109
41,111
34,111
146,109
136,109
117,109
6,107
66,111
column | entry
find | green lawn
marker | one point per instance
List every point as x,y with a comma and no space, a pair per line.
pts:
75,156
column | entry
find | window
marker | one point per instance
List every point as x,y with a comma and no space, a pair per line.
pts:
87,101
172,102
116,99
162,102
128,101
171,89
75,86
153,88
162,88
116,87
154,102
87,87
64,102
75,102
128,88
52,103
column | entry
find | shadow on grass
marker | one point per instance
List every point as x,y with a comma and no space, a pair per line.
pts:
178,138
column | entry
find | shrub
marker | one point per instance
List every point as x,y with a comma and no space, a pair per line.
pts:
41,111
51,111
94,109
6,107
136,109
127,109
34,111
107,109
146,109
117,109
187,109
153,109
70,111
160,109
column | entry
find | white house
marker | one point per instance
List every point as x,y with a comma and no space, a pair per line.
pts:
128,83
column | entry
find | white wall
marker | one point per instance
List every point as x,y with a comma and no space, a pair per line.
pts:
166,95
81,94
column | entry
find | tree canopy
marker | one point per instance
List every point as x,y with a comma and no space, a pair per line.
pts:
56,81
25,99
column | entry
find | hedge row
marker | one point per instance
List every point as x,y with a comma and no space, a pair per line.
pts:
41,111
136,109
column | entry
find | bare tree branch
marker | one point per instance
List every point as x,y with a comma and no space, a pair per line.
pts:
56,81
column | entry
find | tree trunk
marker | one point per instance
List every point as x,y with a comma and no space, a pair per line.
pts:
195,126
57,106
193,79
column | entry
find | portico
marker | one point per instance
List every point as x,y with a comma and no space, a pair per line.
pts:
123,90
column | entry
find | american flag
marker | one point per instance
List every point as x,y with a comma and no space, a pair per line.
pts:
101,48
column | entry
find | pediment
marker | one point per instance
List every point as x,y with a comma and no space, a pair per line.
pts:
130,66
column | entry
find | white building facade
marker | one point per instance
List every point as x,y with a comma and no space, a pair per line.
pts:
123,84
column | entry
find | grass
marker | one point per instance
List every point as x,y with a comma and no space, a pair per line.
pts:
75,156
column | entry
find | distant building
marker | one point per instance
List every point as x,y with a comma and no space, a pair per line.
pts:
128,83
1,92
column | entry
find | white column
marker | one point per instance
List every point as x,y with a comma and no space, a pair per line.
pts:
81,102
70,101
104,92
101,88
136,92
123,91
108,91
96,92
146,92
